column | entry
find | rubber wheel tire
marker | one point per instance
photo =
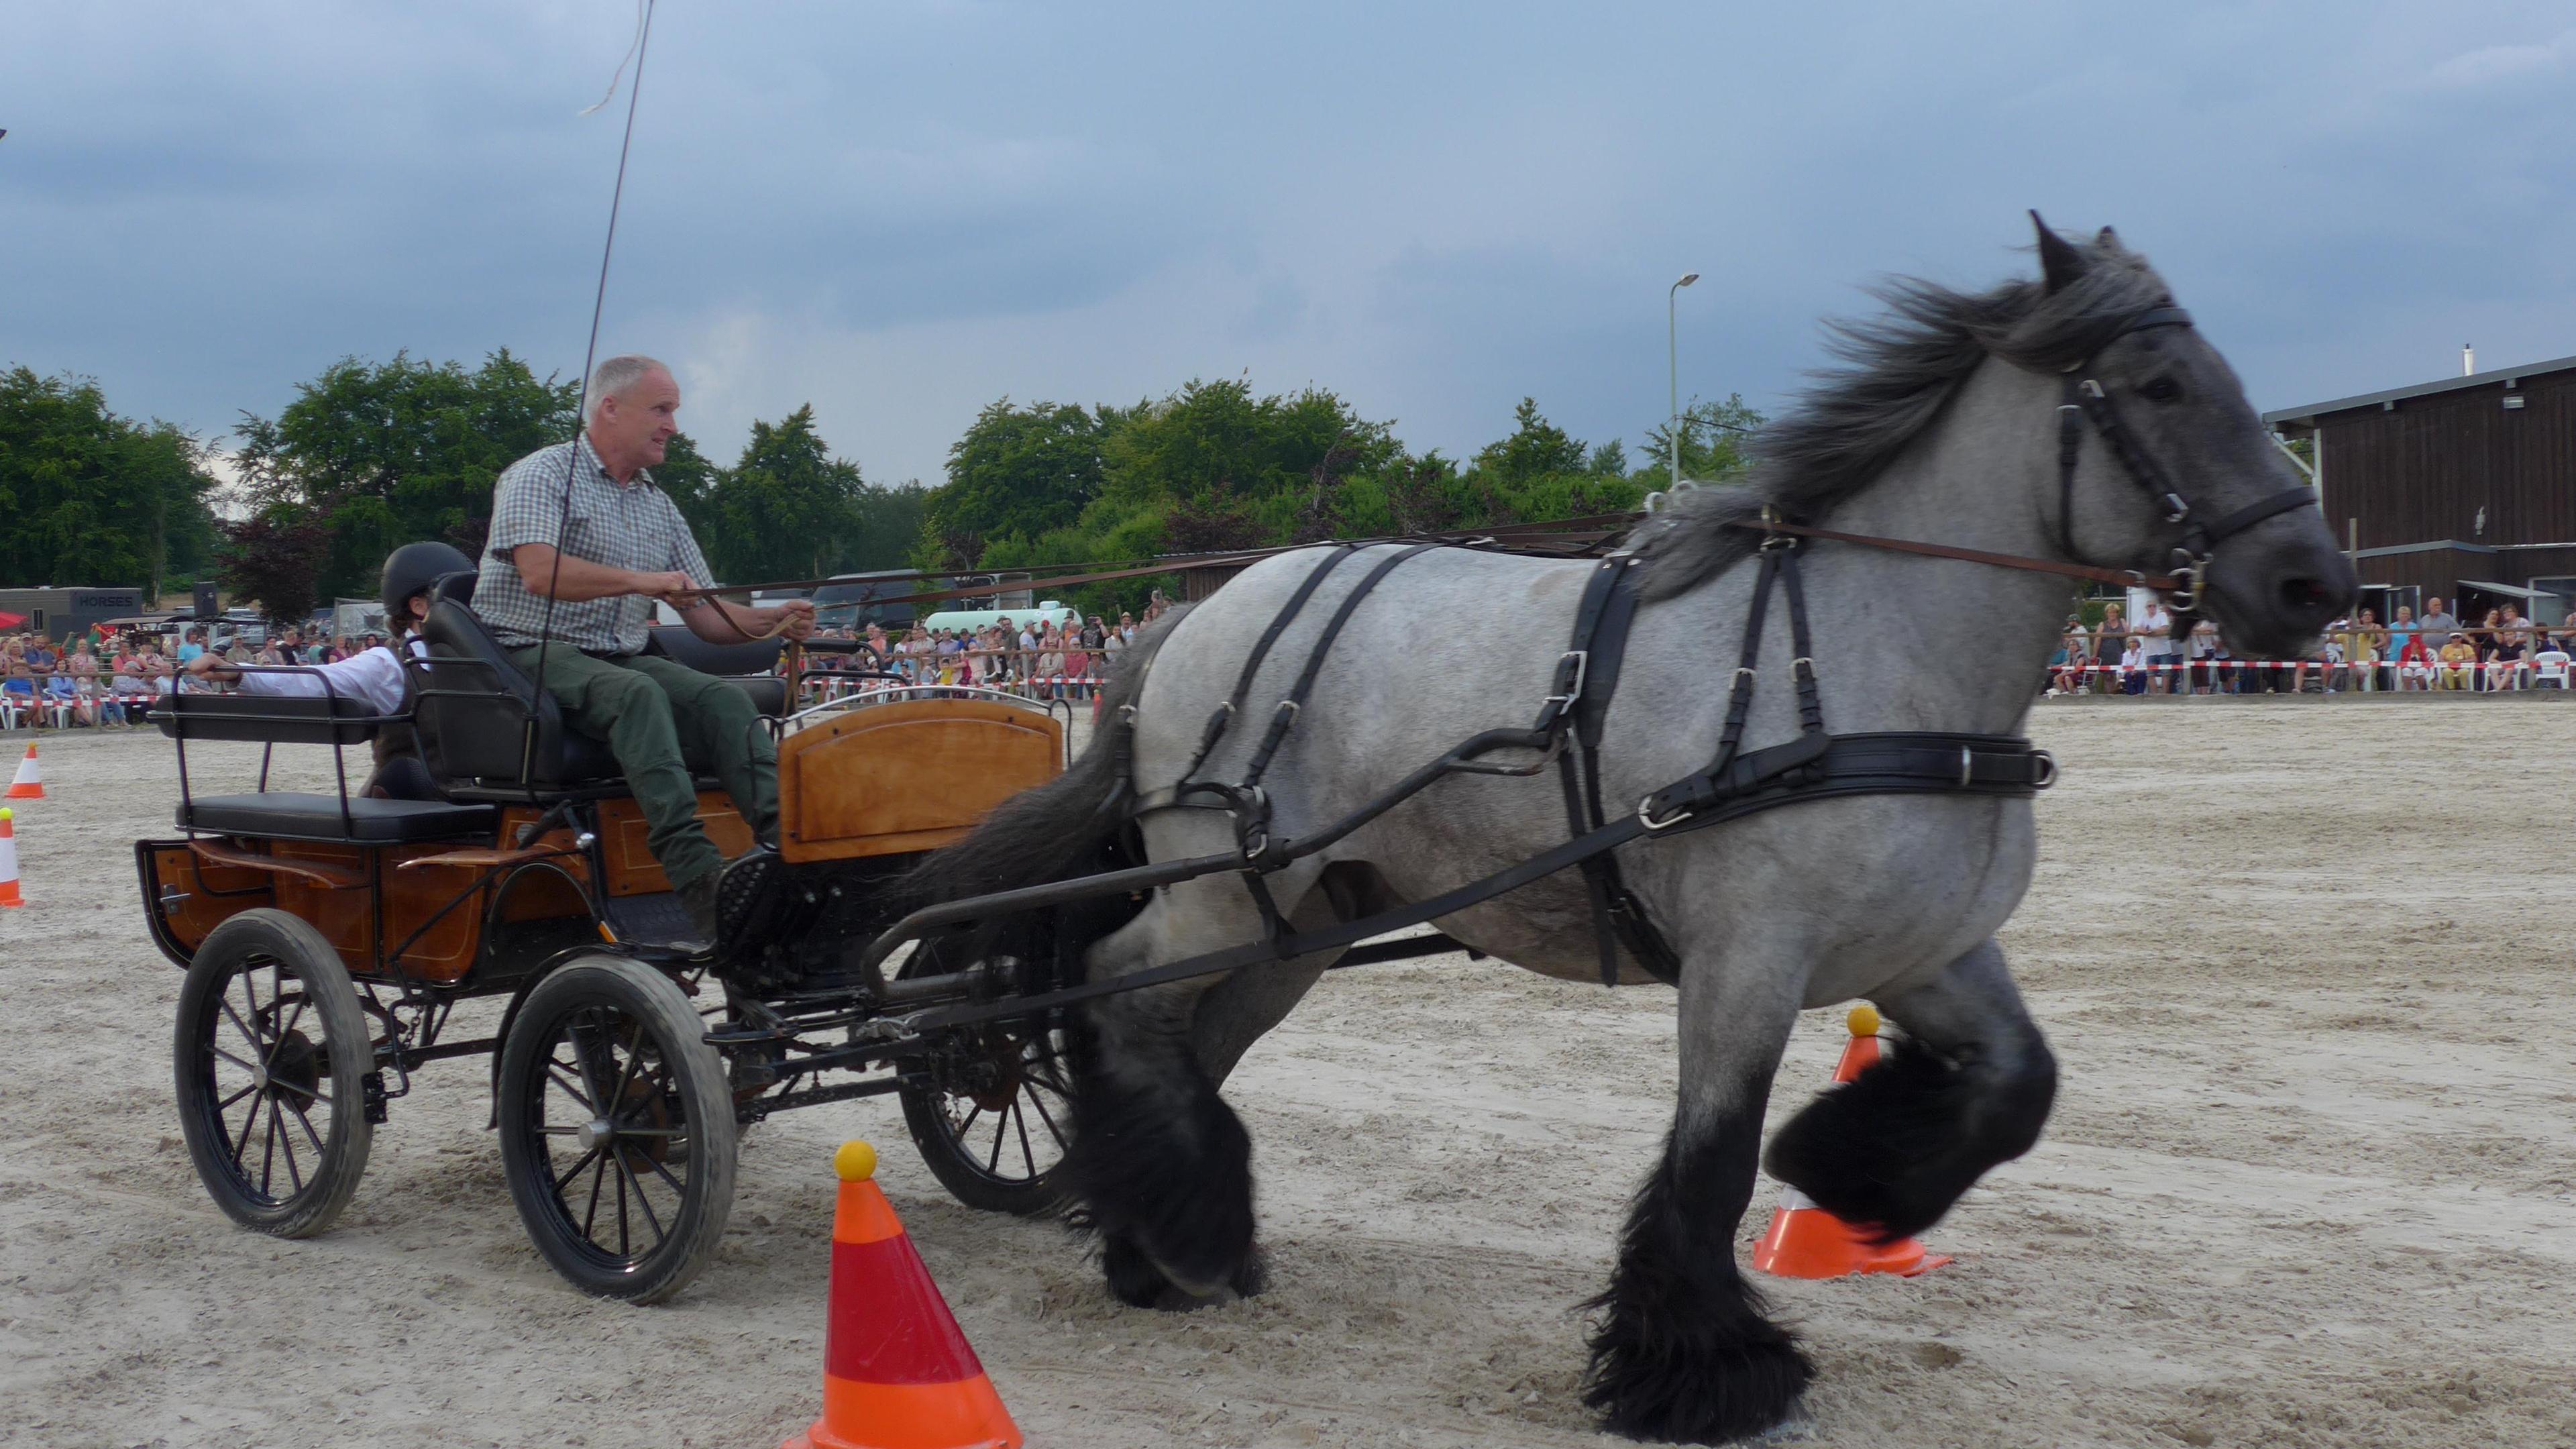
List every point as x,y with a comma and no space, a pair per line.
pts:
224,1028
675,1093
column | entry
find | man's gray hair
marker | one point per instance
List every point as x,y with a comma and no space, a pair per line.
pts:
618,374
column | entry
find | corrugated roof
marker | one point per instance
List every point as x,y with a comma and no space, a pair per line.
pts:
2313,411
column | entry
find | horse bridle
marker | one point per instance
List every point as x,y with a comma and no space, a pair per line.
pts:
2086,400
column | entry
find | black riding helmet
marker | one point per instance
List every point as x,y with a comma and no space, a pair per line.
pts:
412,568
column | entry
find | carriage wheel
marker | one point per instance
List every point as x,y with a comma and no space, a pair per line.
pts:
992,1108
617,1129
272,1056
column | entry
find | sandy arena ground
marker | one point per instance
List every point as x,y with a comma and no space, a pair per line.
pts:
2311,1180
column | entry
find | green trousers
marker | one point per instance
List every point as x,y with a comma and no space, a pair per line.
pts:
665,722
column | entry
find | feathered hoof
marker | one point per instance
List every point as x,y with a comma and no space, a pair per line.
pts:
1136,1280
1712,1392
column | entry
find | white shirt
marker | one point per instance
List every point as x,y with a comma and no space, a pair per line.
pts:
373,675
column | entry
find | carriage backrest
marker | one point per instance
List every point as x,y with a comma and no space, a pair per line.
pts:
266,719
475,701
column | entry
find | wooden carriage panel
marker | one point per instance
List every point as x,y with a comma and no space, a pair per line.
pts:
345,915
197,896
632,870
913,775
446,950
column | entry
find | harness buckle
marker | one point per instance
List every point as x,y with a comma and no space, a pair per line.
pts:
1967,767
1570,690
2176,509
2045,769
2091,388
1646,816
2194,573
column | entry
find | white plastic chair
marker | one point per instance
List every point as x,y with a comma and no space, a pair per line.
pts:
2549,669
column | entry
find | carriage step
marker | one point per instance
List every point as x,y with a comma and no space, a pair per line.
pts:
658,919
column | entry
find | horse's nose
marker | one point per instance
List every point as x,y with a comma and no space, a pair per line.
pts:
2313,585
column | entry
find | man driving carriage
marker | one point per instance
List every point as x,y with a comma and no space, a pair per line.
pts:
604,555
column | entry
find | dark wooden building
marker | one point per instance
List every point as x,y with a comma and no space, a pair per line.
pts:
2463,486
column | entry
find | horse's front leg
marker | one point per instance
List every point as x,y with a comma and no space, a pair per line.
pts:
1969,1086
1681,1349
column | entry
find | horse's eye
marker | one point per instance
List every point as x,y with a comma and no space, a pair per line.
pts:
2161,390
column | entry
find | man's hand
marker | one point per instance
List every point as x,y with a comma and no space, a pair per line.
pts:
799,614
674,587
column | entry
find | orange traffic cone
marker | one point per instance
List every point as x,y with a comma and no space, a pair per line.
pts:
897,1372
1806,1241
9,897
30,784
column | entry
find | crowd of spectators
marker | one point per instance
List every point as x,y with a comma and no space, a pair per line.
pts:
101,679
1037,658
2502,651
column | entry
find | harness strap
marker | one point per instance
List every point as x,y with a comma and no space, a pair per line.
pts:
1586,678
1233,705
1286,714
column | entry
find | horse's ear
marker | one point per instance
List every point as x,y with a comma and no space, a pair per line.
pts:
2107,238
2059,262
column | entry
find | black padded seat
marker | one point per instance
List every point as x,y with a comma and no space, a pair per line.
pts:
293,815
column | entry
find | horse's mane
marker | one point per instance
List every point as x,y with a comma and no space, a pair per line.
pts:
1901,369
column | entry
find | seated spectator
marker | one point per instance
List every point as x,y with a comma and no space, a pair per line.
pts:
2066,666
2508,663
82,670
2133,666
2459,664
2414,664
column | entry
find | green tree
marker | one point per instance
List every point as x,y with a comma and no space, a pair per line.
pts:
384,454
787,509
1018,472
1713,436
89,497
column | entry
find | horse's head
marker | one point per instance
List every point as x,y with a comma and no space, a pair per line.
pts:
2172,471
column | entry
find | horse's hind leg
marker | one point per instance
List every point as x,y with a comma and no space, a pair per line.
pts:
1681,1349
1160,1164
1968,1087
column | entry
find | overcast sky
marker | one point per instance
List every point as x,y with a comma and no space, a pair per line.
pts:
899,212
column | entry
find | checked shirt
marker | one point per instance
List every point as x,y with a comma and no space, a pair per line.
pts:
628,526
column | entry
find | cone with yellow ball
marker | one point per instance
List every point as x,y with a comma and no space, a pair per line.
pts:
1806,1241
897,1371
9,897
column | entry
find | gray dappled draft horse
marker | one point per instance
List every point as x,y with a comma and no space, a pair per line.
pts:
1943,427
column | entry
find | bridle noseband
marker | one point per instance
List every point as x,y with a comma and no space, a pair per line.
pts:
2085,401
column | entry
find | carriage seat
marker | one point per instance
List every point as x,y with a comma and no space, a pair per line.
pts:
475,706
294,815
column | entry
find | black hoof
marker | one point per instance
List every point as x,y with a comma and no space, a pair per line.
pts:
1892,1150
1718,1386
1133,1278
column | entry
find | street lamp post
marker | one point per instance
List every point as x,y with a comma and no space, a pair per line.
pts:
1673,361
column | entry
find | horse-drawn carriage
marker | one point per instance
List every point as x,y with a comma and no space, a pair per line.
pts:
329,939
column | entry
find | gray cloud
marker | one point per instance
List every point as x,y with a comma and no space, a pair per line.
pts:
901,211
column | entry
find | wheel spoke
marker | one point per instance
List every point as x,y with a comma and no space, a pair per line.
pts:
1021,1120
1001,1129
236,1061
241,1144
590,1214
574,1171
1047,1117
677,1186
651,1219
546,1131
268,1152
312,1136
283,1028
616,1160
626,1074
569,1090
235,1097
970,1121
301,1090
286,1139
239,1025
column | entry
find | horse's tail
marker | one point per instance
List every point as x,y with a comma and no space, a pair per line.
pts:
1062,828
